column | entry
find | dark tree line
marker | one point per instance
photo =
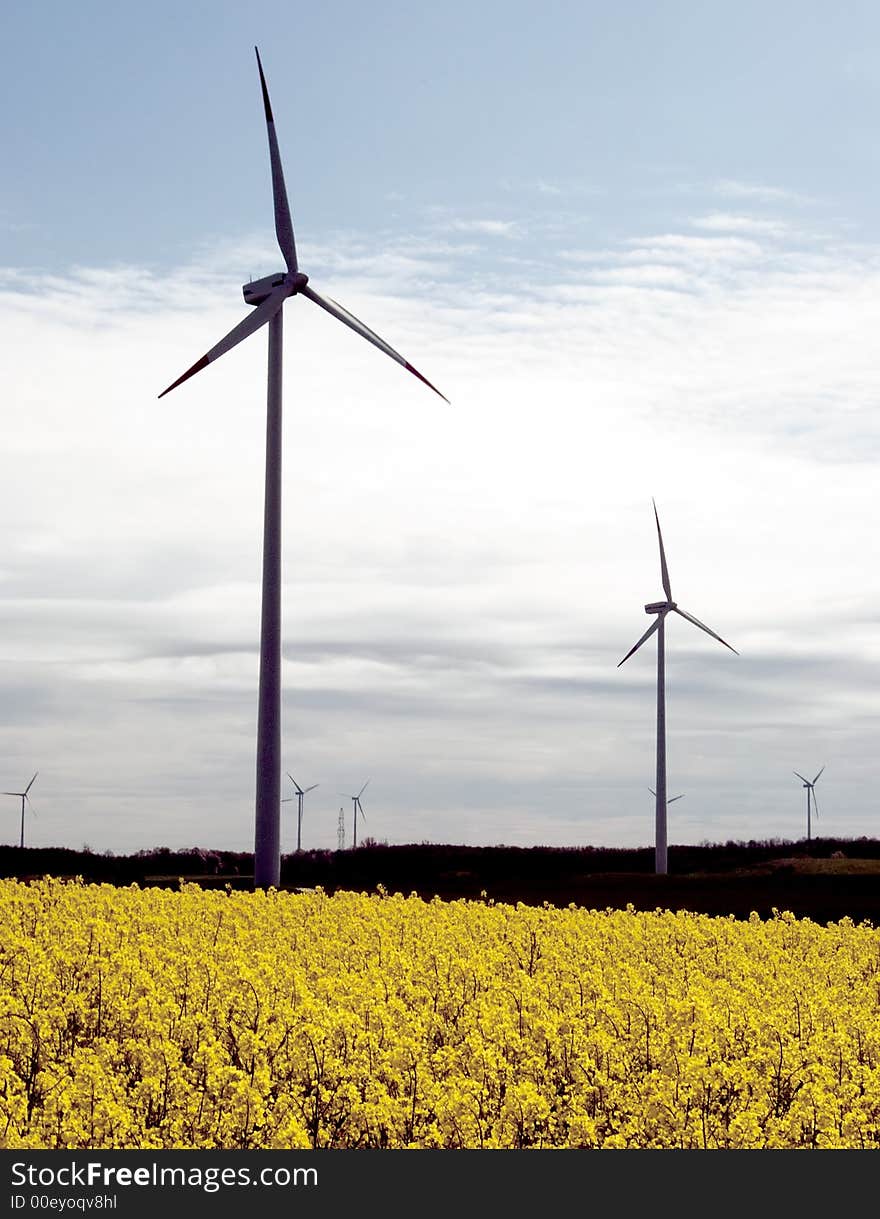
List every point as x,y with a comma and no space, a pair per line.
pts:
719,878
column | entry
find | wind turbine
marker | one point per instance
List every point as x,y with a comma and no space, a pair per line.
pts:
356,802
268,296
25,799
810,792
300,792
661,609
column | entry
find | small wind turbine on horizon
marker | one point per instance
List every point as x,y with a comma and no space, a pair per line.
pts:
356,807
661,609
268,296
810,792
300,793
25,799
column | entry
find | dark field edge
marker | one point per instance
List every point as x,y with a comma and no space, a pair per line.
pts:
734,878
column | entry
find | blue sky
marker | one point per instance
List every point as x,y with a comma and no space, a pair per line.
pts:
133,120
637,248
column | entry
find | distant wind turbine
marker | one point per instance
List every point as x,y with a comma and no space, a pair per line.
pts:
356,807
25,799
300,792
269,295
661,609
810,792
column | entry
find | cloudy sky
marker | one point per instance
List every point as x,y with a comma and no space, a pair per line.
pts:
638,248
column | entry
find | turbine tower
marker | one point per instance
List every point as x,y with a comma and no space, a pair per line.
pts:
268,296
300,792
661,609
25,799
810,792
356,807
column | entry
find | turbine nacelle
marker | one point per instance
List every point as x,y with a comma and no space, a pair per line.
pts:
259,290
660,607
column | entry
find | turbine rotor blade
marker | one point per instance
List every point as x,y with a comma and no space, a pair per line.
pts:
363,789
283,222
647,635
673,798
294,782
703,627
815,803
257,318
801,777
336,310
312,788
817,776
664,572
30,785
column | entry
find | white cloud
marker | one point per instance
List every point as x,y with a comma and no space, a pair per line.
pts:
460,582
489,228
685,247
756,191
727,222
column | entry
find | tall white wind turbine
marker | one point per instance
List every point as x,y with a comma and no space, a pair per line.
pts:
300,793
661,609
268,296
810,792
25,799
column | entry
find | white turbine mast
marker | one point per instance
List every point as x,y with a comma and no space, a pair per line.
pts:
661,609
25,800
268,296
810,786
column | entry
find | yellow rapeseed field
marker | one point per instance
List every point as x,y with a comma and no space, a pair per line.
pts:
148,1018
